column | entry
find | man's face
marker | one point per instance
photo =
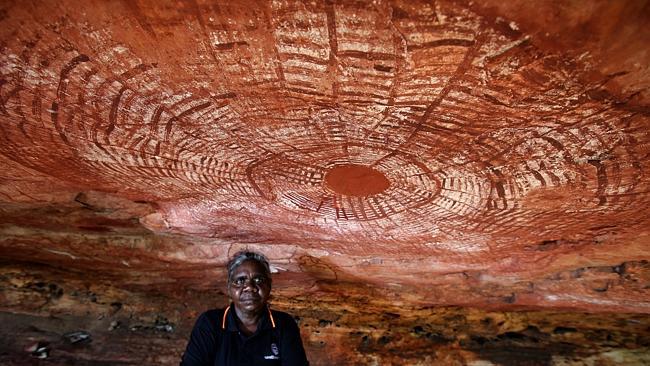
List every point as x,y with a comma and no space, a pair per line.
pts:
249,288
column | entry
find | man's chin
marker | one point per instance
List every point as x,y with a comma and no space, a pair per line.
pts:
251,304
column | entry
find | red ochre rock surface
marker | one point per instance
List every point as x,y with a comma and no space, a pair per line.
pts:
355,180
448,182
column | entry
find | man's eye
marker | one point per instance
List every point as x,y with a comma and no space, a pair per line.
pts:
240,281
259,280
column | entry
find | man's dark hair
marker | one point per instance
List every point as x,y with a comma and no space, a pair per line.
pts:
243,256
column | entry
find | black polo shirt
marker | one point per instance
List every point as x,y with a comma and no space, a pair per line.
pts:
216,341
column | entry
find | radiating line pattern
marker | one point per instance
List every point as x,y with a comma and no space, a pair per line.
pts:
474,127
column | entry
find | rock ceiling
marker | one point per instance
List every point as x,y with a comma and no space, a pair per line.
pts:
384,154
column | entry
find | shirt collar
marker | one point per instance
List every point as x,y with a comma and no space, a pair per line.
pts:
230,321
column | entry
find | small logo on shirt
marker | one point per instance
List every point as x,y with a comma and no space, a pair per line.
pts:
274,356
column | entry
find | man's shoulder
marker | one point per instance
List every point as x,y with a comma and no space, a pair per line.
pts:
283,318
211,313
211,318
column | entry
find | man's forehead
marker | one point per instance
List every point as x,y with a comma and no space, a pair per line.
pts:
246,273
249,267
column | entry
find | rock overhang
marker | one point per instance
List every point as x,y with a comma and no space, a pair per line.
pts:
513,148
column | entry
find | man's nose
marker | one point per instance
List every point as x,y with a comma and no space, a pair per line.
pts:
249,285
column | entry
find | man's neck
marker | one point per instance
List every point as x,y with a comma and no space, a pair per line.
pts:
248,322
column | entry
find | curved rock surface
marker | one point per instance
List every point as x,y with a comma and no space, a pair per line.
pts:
444,182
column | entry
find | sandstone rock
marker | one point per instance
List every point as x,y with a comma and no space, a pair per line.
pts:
449,182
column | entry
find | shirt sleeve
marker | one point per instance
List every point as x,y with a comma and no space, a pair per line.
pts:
292,351
202,346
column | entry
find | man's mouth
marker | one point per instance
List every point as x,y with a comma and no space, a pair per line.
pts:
250,299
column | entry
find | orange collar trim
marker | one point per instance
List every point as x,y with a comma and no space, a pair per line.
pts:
223,321
271,316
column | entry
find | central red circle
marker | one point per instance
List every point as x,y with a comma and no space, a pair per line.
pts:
356,180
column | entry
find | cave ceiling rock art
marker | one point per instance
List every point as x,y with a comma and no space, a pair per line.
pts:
467,140
490,154
461,138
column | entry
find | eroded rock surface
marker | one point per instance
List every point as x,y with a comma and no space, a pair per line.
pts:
442,182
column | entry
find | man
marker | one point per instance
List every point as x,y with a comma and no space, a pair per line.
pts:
247,332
